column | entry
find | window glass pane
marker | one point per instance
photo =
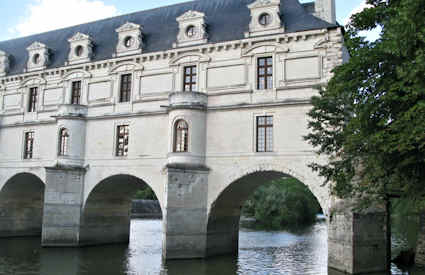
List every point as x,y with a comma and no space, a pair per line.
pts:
269,82
269,120
269,61
269,70
261,71
261,61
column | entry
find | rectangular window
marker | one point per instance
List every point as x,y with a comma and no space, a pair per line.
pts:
264,134
122,140
125,88
265,73
189,80
32,104
29,145
76,92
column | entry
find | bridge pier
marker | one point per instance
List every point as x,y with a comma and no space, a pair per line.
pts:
357,240
185,215
62,206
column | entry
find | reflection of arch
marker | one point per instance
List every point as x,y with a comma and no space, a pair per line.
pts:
181,136
21,206
224,212
106,212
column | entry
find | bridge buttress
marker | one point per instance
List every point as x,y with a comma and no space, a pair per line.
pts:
62,206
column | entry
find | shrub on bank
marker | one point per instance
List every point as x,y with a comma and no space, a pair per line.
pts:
282,203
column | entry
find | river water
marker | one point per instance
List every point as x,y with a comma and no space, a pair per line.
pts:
260,253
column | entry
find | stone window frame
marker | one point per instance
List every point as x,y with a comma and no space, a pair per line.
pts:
266,75
259,8
175,134
254,132
256,68
116,72
121,92
24,145
192,77
117,124
63,149
74,76
188,19
80,41
124,32
172,128
40,49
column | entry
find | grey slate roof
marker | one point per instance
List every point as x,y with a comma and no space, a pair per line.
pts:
227,20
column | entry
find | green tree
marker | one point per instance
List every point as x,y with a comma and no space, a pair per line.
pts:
370,119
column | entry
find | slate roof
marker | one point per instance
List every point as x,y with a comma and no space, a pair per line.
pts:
227,20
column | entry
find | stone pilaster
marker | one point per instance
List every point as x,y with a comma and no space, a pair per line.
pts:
185,217
62,206
357,241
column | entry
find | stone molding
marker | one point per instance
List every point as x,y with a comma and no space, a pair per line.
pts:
196,21
85,42
259,8
130,39
38,57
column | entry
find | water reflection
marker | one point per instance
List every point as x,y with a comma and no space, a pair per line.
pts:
260,253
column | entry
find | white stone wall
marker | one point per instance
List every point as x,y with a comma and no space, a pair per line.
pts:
226,73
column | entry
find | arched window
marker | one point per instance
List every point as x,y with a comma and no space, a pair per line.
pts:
63,142
181,136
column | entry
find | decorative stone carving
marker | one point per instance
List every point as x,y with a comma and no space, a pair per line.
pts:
4,63
38,56
265,18
130,39
80,48
192,29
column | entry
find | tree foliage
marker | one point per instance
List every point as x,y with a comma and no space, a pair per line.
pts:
370,119
282,203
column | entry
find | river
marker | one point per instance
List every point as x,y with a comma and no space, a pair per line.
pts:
260,253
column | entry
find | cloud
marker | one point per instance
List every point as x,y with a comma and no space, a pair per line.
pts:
46,15
371,35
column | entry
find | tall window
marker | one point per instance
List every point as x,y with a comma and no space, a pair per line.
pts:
265,73
32,104
63,142
76,92
189,80
264,134
29,145
122,140
181,136
125,88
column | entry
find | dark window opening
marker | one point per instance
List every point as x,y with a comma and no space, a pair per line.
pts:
63,142
265,73
32,104
29,145
76,92
264,134
122,140
181,136
125,88
189,80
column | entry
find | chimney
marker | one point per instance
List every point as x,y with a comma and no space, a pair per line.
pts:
325,9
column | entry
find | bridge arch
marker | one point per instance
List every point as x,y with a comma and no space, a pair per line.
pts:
21,205
105,217
225,208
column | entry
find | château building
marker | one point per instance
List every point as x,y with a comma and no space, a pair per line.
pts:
203,101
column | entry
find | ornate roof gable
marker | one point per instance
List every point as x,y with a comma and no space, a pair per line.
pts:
36,46
191,14
128,27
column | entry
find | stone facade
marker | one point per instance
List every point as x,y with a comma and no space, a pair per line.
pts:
88,188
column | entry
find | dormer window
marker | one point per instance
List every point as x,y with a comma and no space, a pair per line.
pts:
38,54
129,39
81,48
4,63
192,29
265,18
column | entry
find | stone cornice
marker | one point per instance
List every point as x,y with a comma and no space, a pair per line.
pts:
170,54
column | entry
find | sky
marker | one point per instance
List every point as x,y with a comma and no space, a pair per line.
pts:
25,17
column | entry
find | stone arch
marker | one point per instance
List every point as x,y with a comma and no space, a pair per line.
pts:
265,47
225,208
105,217
126,67
190,57
32,81
76,74
21,205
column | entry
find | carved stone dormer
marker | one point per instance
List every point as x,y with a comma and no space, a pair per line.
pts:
192,29
80,48
265,18
130,39
4,63
38,56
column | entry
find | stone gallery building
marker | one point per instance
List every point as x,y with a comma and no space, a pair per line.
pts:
202,101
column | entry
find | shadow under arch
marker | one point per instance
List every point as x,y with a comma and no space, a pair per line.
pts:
224,213
106,214
21,206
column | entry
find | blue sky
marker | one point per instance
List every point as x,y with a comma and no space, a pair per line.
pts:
25,17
